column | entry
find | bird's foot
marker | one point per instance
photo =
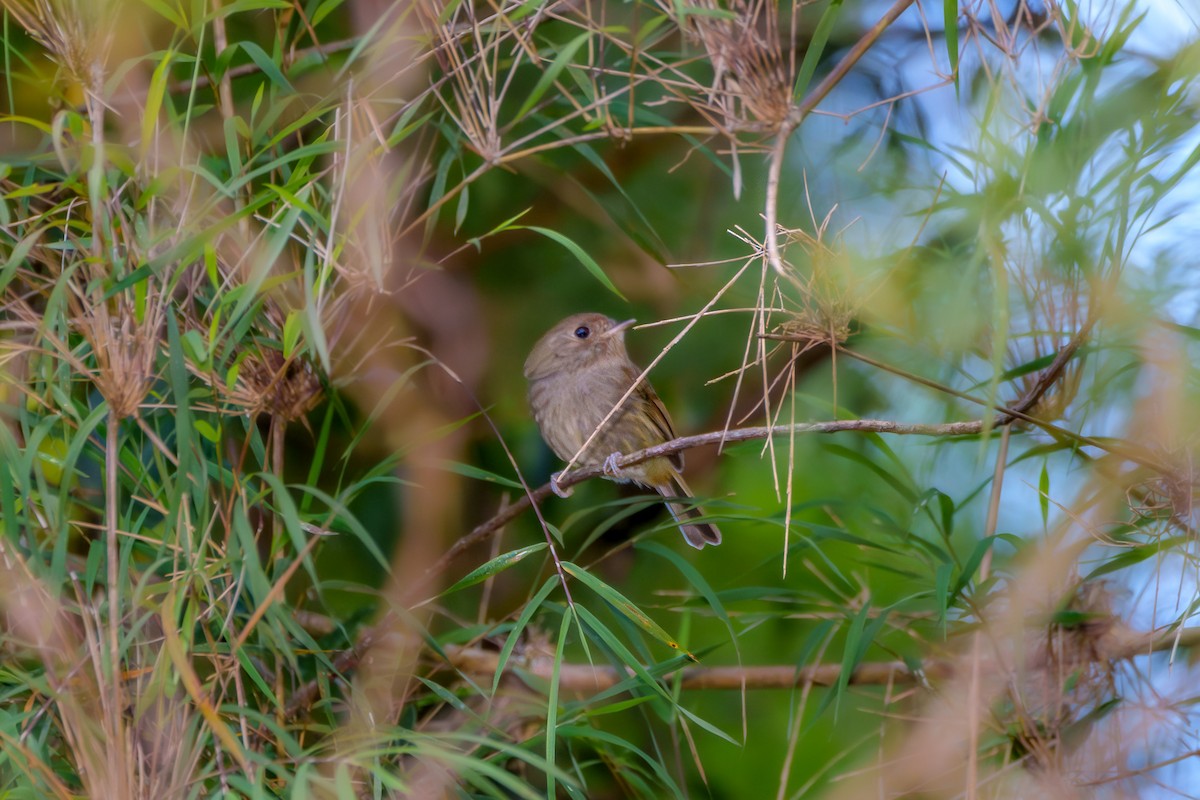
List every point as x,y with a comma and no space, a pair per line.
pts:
560,490
611,469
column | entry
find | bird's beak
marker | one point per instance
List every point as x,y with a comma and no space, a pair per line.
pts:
619,327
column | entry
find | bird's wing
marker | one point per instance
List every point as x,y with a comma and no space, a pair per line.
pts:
657,414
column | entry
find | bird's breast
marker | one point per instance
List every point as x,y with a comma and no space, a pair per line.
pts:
569,407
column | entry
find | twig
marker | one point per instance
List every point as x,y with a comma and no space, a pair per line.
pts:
844,66
797,114
1051,374
489,527
587,677
1011,414
584,677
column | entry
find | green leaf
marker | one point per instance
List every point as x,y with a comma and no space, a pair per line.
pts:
480,474
440,179
1044,493
177,372
685,11
627,658
232,147
276,242
588,262
78,442
950,23
134,278
514,635
695,578
460,212
853,455
16,258
623,746
265,63
497,564
552,697
347,519
968,572
859,639
854,643
816,48
640,229
154,98
560,62
167,13
624,606
1134,555
323,10
292,327
941,593
947,507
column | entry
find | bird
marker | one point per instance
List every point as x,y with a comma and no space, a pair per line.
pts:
578,372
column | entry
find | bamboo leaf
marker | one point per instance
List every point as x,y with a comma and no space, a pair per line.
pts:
154,99
514,635
950,23
552,698
560,62
496,565
816,48
624,606
588,262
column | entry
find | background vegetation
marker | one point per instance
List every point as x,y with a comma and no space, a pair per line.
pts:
269,270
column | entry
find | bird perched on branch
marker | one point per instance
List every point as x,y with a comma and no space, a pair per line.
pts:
578,373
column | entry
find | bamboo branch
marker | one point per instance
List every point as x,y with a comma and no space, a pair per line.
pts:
586,677
510,512
851,58
1119,644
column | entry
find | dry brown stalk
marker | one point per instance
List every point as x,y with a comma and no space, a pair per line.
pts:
588,677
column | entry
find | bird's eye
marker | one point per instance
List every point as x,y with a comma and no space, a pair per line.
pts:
582,332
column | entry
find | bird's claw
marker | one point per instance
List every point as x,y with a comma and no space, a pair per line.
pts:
560,490
610,467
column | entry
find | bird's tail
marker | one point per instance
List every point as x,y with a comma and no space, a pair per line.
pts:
697,534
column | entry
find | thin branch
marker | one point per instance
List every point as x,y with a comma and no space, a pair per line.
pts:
511,512
797,115
1119,645
771,208
1050,375
846,64
586,677
1011,414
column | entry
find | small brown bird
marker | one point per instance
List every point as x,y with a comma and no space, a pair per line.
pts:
577,374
